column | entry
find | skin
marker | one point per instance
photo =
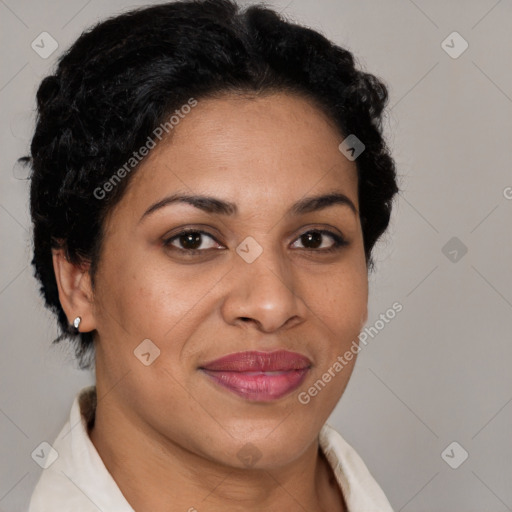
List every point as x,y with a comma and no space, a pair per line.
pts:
166,432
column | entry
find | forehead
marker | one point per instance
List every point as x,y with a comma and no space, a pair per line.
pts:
260,152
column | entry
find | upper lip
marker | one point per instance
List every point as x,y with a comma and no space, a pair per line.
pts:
250,361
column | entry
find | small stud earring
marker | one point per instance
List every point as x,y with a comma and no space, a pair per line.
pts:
76,323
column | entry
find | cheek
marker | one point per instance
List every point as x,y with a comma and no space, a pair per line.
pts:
130,294
340,307
340,301
153,299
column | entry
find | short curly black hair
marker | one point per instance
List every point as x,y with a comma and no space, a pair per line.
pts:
120,80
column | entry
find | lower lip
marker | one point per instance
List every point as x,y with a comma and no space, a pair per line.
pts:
259,386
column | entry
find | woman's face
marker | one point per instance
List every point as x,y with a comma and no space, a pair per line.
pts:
261,274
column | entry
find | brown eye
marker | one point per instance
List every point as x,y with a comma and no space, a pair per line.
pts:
313,240
190,241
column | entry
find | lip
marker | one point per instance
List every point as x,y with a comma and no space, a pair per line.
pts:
259,376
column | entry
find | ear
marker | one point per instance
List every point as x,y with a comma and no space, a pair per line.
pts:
75,290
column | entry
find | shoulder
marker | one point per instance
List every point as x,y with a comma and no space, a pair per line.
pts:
359,487
54,491
76,479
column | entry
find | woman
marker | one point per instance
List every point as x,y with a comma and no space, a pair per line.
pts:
207,187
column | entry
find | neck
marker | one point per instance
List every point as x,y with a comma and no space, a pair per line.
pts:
156,474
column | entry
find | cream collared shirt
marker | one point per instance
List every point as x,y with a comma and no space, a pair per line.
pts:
78,481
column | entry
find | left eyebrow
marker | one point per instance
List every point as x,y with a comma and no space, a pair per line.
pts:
218,206
315,203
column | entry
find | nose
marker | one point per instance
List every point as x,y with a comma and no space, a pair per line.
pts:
264,293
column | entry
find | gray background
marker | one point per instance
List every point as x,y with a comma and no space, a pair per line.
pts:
440,371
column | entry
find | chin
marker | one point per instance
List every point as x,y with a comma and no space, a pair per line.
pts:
276,447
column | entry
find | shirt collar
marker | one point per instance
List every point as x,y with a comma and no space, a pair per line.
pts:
79,477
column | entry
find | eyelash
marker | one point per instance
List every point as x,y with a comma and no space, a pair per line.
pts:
339,241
